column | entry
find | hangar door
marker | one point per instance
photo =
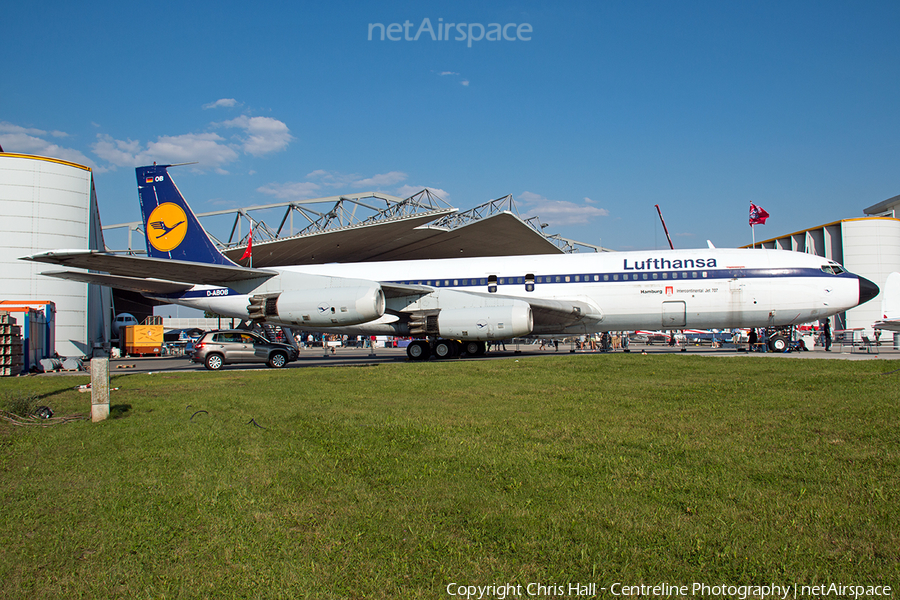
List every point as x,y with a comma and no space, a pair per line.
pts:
673,315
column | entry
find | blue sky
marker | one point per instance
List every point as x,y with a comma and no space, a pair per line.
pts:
606,109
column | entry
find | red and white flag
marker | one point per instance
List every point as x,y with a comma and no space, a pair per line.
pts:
758,215
248,253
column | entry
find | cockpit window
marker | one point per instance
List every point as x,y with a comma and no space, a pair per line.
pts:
833,269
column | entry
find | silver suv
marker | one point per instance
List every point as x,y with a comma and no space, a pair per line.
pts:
232,346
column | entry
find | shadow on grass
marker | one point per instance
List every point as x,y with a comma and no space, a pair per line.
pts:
119,411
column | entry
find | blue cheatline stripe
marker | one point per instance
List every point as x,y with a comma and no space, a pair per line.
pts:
211,293
640,276
675,277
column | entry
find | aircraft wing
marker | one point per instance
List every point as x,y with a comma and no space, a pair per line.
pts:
156,268
134,284
889,324
545,312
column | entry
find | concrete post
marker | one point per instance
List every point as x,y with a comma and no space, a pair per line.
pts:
99,389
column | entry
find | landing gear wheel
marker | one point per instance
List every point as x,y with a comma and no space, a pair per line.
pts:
443,349
474,348
418,350
777,343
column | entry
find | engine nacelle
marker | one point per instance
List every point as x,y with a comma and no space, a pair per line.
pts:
486,323
326,307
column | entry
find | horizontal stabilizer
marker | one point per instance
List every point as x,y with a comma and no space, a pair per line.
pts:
156,268
142,286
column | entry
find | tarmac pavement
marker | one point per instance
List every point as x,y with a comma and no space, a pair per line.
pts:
316,357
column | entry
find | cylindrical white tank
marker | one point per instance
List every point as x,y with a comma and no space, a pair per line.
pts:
50,204
871,248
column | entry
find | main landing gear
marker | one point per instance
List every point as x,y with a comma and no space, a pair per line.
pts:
423,349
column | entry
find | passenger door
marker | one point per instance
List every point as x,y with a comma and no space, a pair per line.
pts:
256,348
673,314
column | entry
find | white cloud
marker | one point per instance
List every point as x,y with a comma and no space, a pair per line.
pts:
332,179
291,191
206,149
559,212
463,82
264,135
257,136
14,138
119,153
384,179
260,136
221,103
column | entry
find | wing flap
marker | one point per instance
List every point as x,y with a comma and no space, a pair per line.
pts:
562,312
396,290
156,268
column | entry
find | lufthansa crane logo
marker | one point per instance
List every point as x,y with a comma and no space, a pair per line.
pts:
166,226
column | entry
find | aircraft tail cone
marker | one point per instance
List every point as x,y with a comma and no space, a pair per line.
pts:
867,290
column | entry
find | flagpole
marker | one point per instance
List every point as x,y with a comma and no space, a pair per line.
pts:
752,231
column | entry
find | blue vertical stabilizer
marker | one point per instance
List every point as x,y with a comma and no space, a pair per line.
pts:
171,228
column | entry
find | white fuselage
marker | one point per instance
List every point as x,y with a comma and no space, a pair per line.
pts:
670,289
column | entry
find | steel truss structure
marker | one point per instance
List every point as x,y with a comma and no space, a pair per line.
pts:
333,213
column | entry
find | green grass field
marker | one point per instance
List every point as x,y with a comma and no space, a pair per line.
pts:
397,480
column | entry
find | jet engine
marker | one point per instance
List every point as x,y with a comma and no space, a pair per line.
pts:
486,323
326,307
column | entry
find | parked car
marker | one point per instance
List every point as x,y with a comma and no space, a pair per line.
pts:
233,346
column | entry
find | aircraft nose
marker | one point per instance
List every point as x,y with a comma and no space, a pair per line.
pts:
867,290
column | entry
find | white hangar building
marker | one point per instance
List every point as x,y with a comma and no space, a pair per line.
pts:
868,246
48,204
